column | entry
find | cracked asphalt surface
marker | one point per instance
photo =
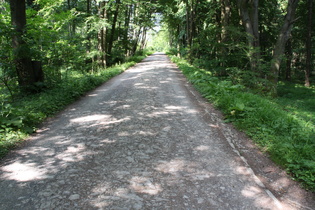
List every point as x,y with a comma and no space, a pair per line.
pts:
140,141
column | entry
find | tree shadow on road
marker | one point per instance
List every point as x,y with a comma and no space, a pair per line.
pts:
134,143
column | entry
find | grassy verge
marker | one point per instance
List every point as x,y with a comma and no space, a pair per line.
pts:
20,118
298,100
288,139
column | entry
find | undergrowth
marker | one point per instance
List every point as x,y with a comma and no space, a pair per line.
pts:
297,99
21,117
288,138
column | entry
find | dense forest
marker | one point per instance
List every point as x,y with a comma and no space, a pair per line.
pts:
253,59
49,36
256,43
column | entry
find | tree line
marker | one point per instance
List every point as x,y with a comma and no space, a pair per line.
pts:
40,39
254,42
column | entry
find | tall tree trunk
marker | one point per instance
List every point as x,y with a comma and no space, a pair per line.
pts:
27,76
88,26
217,5
71,26
225,20
192,24
289,55
249,13
112,34
280,44
102,35
179,42
309,44
197,27
136,41
143,38
136,30
90,59
189,22
194,12
126,29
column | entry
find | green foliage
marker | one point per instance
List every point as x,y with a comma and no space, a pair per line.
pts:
288,137
212,35
7,73
159,41
298,100
13,126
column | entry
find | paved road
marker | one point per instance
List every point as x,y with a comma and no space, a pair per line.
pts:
141,141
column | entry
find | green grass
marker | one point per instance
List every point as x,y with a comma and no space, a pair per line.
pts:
282,127
298,100
21,117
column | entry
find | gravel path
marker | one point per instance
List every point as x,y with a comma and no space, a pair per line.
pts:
141,141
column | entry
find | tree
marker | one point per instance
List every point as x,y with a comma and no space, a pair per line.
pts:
112,32
283,37
249,16
102,38
28,73
68,35
225,18
308,42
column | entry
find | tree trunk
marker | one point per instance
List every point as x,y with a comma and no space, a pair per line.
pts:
225,20
194,12
280,45
136,42
112,34
22,59
249,14
218,22
188,24
289,56
136,30
143,38
71,26
309,44
126,29
102,35
179,42
88,26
